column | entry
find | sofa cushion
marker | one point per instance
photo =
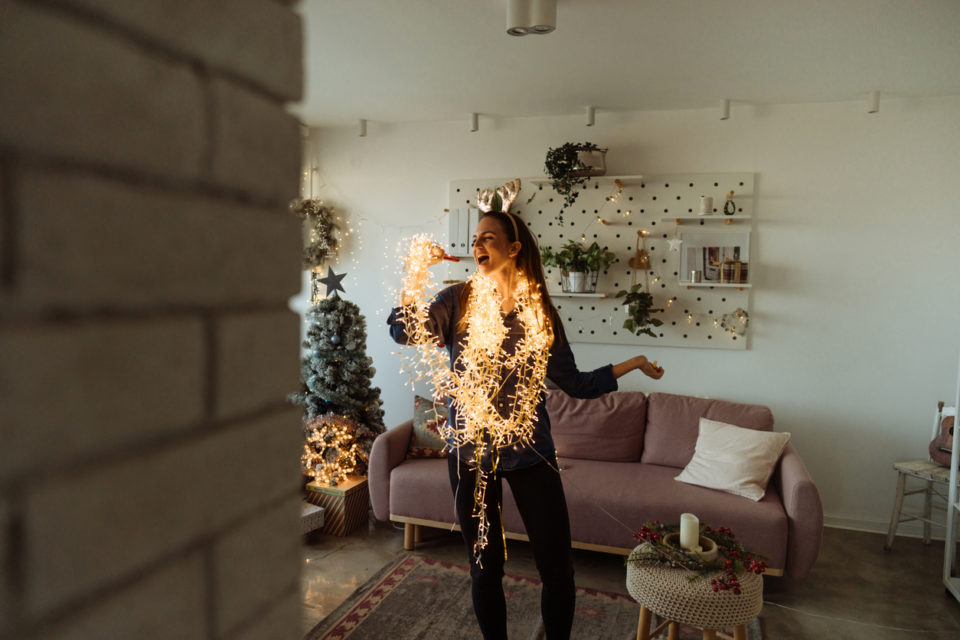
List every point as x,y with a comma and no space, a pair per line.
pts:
673,424
733,459
609,501
606,428
420,488
428,419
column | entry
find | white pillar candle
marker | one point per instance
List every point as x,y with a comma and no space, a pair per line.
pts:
689,531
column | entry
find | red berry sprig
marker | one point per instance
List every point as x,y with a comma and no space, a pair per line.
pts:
736,558
650,532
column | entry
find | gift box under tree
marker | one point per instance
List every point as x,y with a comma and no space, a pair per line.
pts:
345,506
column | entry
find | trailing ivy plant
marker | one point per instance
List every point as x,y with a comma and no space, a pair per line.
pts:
639,305
567,172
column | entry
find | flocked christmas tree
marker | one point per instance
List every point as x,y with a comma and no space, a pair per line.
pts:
342,413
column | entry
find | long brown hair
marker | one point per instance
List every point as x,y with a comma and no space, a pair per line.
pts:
528,262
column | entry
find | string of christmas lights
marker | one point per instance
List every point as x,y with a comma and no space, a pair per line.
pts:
332,451
475,382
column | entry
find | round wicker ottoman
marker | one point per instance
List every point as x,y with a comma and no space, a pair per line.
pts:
670,594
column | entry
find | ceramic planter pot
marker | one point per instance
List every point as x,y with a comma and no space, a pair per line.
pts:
579,281
574,281
595,160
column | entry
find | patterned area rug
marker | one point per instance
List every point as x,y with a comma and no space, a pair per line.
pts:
418,598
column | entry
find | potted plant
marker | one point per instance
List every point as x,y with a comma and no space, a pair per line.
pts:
571,165
639,305
579,266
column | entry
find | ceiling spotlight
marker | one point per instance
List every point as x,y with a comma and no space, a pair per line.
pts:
518,17
531,16
543,14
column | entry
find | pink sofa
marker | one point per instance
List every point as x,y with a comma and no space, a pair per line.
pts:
619,456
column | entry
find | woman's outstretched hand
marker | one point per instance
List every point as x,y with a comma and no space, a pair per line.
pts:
650,369
423,255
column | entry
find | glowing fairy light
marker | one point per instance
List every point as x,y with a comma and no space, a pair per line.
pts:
619,185
474,384
332,451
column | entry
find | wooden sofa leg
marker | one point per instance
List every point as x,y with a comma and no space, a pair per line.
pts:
409,536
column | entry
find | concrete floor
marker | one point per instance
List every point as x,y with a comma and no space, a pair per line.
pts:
855,591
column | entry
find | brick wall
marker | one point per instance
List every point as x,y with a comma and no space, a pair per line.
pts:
148,459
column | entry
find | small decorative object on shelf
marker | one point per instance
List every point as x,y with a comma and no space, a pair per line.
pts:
579,266
706,206
571,165
729,208
659,545
733,271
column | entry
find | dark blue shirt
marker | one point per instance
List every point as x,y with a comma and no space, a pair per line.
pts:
444,316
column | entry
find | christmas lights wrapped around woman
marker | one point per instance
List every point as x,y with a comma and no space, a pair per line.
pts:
503,337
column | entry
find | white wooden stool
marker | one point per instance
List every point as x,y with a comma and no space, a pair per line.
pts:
935,479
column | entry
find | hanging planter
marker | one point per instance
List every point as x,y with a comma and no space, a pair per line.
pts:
570,166
593,162
640,311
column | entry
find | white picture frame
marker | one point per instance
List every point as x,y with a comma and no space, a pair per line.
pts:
704,251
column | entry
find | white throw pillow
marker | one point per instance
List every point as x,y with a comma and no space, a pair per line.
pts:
734,459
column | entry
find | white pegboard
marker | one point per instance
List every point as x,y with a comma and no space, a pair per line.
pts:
654,204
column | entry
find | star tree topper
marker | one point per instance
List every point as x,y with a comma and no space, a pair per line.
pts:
332,282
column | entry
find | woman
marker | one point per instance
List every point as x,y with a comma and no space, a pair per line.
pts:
507,254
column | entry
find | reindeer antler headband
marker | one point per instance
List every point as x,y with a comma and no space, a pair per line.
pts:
508,193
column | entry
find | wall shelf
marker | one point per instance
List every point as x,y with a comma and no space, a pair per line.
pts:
719,285
625,180
561,294
716,217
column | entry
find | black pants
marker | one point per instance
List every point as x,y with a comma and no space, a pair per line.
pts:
538,493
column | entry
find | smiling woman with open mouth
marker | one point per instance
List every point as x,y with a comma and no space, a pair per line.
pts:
504,338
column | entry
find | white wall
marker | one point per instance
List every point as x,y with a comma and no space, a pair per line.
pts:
855,290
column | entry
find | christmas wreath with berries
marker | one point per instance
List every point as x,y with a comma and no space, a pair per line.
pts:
659,546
